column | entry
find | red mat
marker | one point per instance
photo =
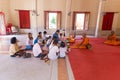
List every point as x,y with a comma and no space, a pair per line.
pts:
102,62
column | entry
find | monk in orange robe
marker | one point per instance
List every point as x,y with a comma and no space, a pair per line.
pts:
82,44
71,39
112,40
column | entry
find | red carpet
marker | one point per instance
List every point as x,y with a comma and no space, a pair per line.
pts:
102,62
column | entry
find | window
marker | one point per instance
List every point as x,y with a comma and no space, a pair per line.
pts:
52,19
24,16
80,20
2,23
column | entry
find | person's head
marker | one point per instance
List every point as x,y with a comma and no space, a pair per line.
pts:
84,35
44,42
44,32
62,44
30,36
58,31
49,37
61,34
55,42
40,33
13,40
112,32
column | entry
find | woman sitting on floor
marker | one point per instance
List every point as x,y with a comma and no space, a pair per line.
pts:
36,40
29,42
14,49
112,40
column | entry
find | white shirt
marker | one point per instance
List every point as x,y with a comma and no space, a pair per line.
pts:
52,52
63,51
36,50
29,42
44,36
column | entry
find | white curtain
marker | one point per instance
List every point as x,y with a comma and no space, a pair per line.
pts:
2,24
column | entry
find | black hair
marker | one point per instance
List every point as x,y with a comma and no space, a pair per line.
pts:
39,32
44,41
13,40
55,42
58,31
44,32
61,34
49,37
62,44
31,38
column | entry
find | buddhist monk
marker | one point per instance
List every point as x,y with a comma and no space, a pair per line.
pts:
71,39
84,43
112,40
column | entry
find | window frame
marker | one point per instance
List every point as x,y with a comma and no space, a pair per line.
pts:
74,20
46,19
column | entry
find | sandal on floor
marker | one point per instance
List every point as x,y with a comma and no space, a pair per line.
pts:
46,59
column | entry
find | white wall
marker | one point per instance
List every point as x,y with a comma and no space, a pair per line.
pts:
65,6
111,6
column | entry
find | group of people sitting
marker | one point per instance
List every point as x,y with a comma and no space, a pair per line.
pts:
43,47
52,47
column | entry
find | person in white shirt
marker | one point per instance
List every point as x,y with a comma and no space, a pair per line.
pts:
29,42
37,51
53,51
44,37
63,50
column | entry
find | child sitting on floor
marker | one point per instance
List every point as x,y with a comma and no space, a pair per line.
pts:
15,49
45,49
63,50
53,51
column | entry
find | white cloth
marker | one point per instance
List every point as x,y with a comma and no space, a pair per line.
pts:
52,52
44,36
29,42
36,50
63,51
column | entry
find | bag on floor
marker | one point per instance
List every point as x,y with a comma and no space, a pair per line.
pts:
27,55
88,46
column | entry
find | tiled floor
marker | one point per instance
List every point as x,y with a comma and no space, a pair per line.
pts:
26,69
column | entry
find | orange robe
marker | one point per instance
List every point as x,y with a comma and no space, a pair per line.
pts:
71,39
112,40
82,44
